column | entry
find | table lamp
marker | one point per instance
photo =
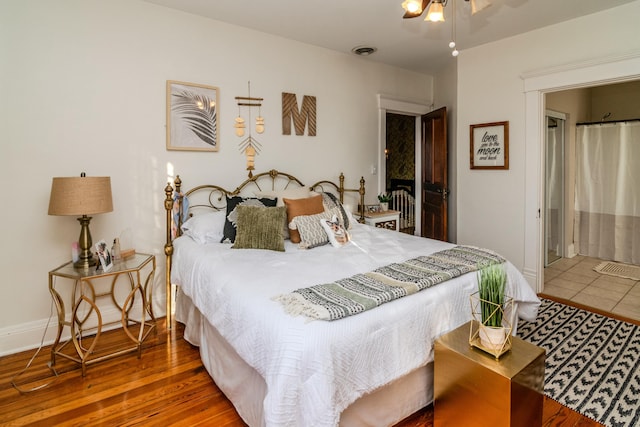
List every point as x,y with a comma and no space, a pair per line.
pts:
83,196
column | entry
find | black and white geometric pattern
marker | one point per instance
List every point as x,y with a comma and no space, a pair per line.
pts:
592,362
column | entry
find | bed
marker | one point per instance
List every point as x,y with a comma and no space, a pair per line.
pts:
279,369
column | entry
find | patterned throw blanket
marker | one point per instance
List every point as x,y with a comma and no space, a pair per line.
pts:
355,294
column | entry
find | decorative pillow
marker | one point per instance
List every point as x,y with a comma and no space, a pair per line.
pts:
206,227
296,207
330,201
311,232
288,193
260,228
336,233
280,195
229,231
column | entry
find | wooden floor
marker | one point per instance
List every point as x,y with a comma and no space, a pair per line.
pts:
166,386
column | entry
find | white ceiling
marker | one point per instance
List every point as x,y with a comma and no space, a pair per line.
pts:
412,44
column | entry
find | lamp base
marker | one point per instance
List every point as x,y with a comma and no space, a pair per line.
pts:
85,264
86,259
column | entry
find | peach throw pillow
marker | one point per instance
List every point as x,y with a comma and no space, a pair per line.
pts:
295,207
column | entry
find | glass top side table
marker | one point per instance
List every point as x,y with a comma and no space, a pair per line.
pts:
130,290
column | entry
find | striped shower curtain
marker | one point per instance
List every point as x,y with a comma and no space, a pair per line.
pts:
607,204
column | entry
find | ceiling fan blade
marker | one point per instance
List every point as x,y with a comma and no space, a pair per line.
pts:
408,14
478,5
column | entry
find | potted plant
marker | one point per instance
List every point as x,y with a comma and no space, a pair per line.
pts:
384,199
492,309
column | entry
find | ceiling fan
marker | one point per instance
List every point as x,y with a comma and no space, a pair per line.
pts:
414,8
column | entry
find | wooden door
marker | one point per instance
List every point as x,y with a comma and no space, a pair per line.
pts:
434,175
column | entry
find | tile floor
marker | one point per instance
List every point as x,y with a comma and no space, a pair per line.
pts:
574,279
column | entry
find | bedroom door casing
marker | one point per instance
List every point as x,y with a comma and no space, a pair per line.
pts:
434,186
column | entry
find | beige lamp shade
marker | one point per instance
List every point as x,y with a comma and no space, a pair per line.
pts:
81,195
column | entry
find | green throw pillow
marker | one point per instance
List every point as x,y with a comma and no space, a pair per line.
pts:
260,228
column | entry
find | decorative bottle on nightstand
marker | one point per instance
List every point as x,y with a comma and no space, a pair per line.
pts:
115,249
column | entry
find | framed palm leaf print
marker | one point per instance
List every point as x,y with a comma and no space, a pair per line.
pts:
192,117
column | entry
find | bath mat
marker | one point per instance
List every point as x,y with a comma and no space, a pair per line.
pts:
618,269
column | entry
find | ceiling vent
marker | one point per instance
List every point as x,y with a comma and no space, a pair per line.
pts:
364,50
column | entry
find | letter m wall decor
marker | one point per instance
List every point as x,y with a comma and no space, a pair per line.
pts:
306,114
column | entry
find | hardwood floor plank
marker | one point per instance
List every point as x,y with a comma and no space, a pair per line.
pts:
151,400
167,386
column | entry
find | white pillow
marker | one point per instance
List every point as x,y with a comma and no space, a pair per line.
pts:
336,233
289,193
206,227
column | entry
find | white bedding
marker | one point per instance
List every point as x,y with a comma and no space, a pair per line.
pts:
315,369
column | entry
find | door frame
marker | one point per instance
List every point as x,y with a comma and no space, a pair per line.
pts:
536,84
407,107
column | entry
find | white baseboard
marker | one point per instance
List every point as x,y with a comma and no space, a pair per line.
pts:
532,278
31,335
26,336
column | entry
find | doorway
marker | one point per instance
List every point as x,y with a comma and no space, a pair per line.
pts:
575,276
536,85
423,189
403,107
554,187
400,166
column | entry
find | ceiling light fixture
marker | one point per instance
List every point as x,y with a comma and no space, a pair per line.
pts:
452,43
415,8
436,11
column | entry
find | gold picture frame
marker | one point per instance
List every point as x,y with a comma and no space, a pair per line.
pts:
192,117
489,145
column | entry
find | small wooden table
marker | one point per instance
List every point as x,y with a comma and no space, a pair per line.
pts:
472,388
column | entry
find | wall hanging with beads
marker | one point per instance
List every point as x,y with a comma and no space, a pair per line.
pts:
249,146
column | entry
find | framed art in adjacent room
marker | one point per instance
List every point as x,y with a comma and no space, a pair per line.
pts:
192,117
490,146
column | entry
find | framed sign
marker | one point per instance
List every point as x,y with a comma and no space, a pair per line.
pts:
192,117
490,146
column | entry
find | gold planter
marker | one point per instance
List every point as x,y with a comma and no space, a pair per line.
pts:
472,388
493,340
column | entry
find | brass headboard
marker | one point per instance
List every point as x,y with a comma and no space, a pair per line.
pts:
214,197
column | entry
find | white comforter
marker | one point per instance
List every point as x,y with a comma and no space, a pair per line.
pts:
315,369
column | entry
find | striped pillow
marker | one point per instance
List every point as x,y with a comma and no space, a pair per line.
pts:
311,232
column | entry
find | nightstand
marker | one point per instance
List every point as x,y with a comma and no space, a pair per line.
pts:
386,219
471,387
128,285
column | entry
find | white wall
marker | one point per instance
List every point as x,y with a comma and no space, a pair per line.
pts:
82,84
620,101
491,204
